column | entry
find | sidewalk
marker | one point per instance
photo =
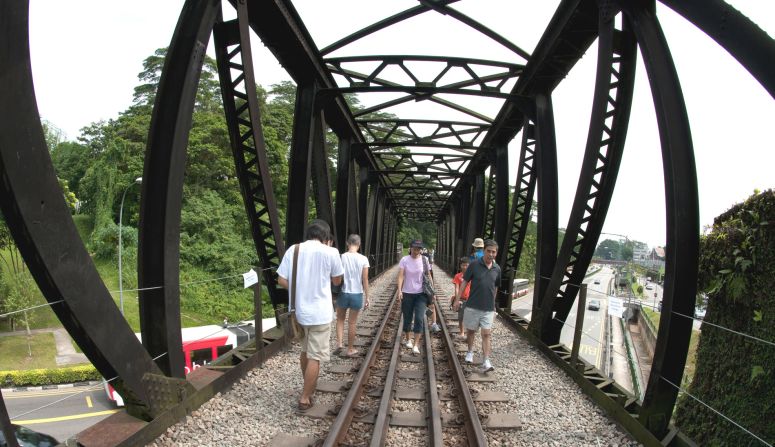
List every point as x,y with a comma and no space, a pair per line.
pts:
620,367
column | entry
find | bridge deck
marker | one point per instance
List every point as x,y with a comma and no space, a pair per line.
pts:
552,408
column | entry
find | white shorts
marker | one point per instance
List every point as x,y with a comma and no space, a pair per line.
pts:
474,319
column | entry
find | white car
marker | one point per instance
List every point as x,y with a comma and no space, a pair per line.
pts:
649,287
593,305
699,313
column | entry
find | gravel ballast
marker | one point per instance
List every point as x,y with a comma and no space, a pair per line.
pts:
553,411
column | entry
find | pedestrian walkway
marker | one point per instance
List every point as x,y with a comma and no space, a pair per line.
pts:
642,352
66,354
620,368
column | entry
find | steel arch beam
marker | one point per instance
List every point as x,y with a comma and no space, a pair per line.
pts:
741,37
41,224
615,80
162,189
546,252
682,213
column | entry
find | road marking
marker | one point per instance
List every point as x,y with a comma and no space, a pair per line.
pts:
602,334
88,402
588,349
65,418
28,394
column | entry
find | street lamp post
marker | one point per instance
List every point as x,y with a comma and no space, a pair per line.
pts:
137,181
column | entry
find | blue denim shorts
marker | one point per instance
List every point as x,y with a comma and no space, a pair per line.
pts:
350,301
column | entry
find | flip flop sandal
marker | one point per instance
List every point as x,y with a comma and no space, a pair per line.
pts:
350,354
338,351
305,407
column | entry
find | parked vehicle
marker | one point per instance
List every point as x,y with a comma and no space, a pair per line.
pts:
649,287
593,305
519,288
699,312
29,438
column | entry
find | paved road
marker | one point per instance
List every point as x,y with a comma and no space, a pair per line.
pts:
71,410
594,325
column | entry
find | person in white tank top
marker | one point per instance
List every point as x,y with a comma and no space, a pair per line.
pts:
354,296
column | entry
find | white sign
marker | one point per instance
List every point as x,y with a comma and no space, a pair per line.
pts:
250,278
615,307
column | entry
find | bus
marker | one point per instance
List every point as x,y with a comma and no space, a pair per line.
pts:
519,288
201,345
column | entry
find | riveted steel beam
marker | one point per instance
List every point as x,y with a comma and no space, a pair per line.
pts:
605,144
682,214
243,119
321,178
300,163
42,227
344,168
546,252
739,35
520,214
162,189
488,225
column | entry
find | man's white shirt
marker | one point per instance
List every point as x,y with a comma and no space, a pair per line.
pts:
317,264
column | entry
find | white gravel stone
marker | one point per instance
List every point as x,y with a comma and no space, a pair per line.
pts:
551,407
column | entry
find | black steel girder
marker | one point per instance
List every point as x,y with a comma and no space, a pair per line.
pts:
520,214
682,213
243,118
603,154
382,132
42,227
158,250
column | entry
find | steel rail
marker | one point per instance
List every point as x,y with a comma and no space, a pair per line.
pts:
341,424
382,421
474,430
433,405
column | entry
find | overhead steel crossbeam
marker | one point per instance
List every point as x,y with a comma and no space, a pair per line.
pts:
438,164
278,25
381,132
490,83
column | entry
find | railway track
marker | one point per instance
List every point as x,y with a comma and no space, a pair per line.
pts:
388,396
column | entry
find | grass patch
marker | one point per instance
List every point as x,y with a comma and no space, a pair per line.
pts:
691,359
16,352
85,225
652,316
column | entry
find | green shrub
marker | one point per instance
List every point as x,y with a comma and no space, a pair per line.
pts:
53,376
735,374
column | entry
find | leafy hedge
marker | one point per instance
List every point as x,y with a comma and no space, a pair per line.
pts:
736,374
38,377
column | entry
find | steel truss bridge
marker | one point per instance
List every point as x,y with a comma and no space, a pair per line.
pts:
451,172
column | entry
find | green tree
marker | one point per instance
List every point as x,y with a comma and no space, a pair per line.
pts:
70,160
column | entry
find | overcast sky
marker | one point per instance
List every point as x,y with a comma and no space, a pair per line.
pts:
86,55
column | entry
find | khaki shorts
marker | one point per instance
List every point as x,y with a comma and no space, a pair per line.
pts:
474,319
316,342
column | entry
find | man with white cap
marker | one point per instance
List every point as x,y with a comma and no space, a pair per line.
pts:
477,249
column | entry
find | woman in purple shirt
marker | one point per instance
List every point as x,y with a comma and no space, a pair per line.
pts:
413,300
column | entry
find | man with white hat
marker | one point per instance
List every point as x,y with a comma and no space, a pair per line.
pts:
477,249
